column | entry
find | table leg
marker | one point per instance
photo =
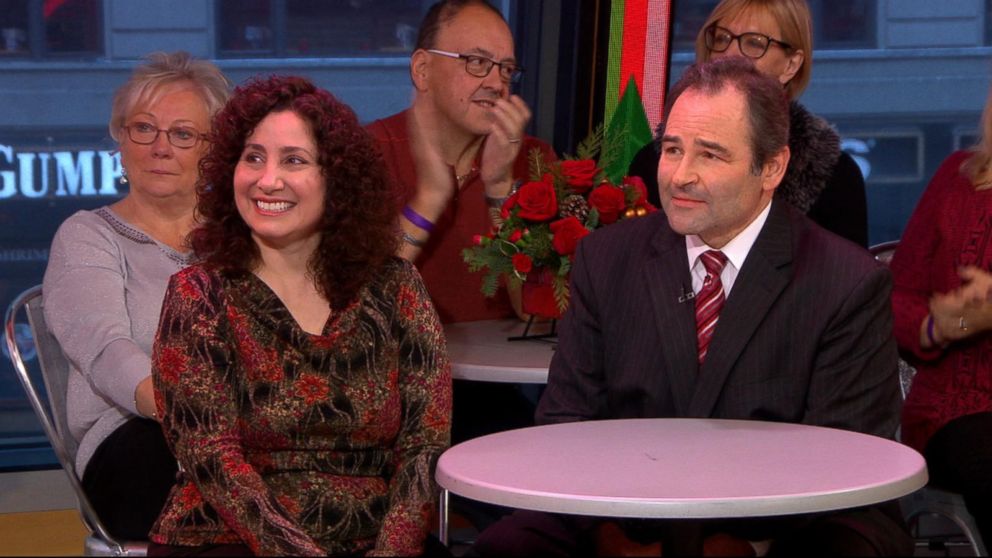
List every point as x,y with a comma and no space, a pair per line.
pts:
443,517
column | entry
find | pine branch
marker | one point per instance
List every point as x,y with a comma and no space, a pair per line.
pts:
590,147
560,285
613,148
592,220
490,283
536,164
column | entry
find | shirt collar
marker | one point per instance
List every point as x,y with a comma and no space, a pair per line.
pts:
737,249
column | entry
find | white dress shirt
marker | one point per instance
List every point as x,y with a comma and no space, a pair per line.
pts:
736,251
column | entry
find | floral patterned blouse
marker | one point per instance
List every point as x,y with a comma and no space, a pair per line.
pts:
301,444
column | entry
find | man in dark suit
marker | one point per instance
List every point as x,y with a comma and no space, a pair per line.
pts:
727,305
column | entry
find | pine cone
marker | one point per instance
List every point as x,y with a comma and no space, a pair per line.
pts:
575,206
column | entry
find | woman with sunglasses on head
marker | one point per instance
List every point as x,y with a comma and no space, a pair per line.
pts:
777,35
106,277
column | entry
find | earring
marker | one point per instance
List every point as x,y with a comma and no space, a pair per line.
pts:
123,179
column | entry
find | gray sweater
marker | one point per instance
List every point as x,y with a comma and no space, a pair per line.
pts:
103,291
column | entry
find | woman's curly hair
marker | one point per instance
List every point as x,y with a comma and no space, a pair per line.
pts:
358,226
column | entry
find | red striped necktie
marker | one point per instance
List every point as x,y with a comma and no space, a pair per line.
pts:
710,300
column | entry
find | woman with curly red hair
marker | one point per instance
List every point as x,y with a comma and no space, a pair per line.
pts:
300,368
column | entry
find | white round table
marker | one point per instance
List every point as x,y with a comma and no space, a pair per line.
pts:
480,351
681,468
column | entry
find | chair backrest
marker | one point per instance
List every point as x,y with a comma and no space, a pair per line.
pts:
906,373
51,413
883,252
54,369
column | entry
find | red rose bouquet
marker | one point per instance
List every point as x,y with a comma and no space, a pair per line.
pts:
544,220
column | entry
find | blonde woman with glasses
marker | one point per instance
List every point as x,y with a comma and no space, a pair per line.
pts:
106,278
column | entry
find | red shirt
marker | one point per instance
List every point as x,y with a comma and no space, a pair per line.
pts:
950,227
455,291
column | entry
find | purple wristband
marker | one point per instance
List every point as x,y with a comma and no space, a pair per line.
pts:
933,342
417,219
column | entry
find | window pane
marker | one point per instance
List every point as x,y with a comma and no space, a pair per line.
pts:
351,27
317,28
844,23
13,27
687,18
245,26
72,26
988,22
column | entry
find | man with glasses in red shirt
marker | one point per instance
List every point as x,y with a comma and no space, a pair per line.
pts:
457,152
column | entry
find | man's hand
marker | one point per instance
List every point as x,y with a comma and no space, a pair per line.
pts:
502,145
435,185
435,181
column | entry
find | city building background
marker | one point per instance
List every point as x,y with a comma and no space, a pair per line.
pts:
904,81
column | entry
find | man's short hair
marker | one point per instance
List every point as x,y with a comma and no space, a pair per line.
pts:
765,101
441,13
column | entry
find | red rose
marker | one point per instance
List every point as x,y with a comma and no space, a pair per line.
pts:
537,200
640,194
515,236
509,204
637,184
579,174
522,262
567,234
609,201
641,199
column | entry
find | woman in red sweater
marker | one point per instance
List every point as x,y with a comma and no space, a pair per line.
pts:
943,313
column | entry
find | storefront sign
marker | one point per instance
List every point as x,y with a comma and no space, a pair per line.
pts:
58,174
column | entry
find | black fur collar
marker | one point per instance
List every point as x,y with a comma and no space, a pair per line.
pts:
815,148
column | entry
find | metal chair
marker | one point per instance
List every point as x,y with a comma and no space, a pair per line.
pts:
929,500
52,415
884,251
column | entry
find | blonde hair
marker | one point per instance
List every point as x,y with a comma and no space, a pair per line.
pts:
794,22
149,81
978,167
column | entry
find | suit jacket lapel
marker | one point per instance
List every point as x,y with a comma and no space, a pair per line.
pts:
759,283
666,274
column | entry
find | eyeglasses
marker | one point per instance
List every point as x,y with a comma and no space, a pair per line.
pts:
181,136
480,66
752,45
